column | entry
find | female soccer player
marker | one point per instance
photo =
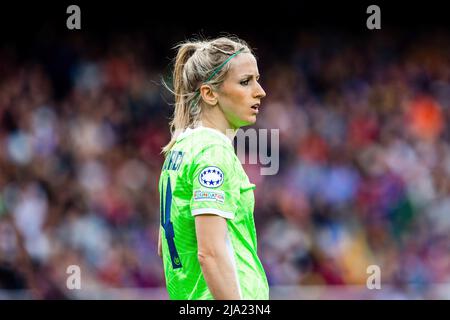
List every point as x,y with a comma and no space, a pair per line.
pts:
207,234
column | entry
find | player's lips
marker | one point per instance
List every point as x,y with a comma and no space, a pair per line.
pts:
255,107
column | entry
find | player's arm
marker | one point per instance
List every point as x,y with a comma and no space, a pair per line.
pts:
214,260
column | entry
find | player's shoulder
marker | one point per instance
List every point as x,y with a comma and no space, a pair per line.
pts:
207,147
202,139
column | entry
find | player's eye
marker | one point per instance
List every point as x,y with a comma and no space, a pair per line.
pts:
245,82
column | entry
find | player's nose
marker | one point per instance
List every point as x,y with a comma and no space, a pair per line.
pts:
259,92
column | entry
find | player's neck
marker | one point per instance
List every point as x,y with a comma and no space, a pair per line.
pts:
220,125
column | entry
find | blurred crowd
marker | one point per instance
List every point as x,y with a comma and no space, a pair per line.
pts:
364,173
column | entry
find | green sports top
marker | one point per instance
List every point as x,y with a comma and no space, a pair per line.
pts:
202,175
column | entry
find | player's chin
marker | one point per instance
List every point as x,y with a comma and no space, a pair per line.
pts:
246,121
251,119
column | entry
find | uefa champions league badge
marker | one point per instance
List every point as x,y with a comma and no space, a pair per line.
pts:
211,177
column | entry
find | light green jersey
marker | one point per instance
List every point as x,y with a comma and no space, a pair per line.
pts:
202,175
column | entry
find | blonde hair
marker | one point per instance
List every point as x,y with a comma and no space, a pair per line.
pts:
195,62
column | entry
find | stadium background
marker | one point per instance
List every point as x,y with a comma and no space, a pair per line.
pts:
364,149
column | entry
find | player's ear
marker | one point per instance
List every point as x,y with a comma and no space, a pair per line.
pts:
208,95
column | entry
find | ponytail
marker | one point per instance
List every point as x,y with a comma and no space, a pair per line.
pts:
182,115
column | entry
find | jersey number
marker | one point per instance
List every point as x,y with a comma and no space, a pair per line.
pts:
168,226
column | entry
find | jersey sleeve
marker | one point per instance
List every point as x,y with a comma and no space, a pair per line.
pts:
215,182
